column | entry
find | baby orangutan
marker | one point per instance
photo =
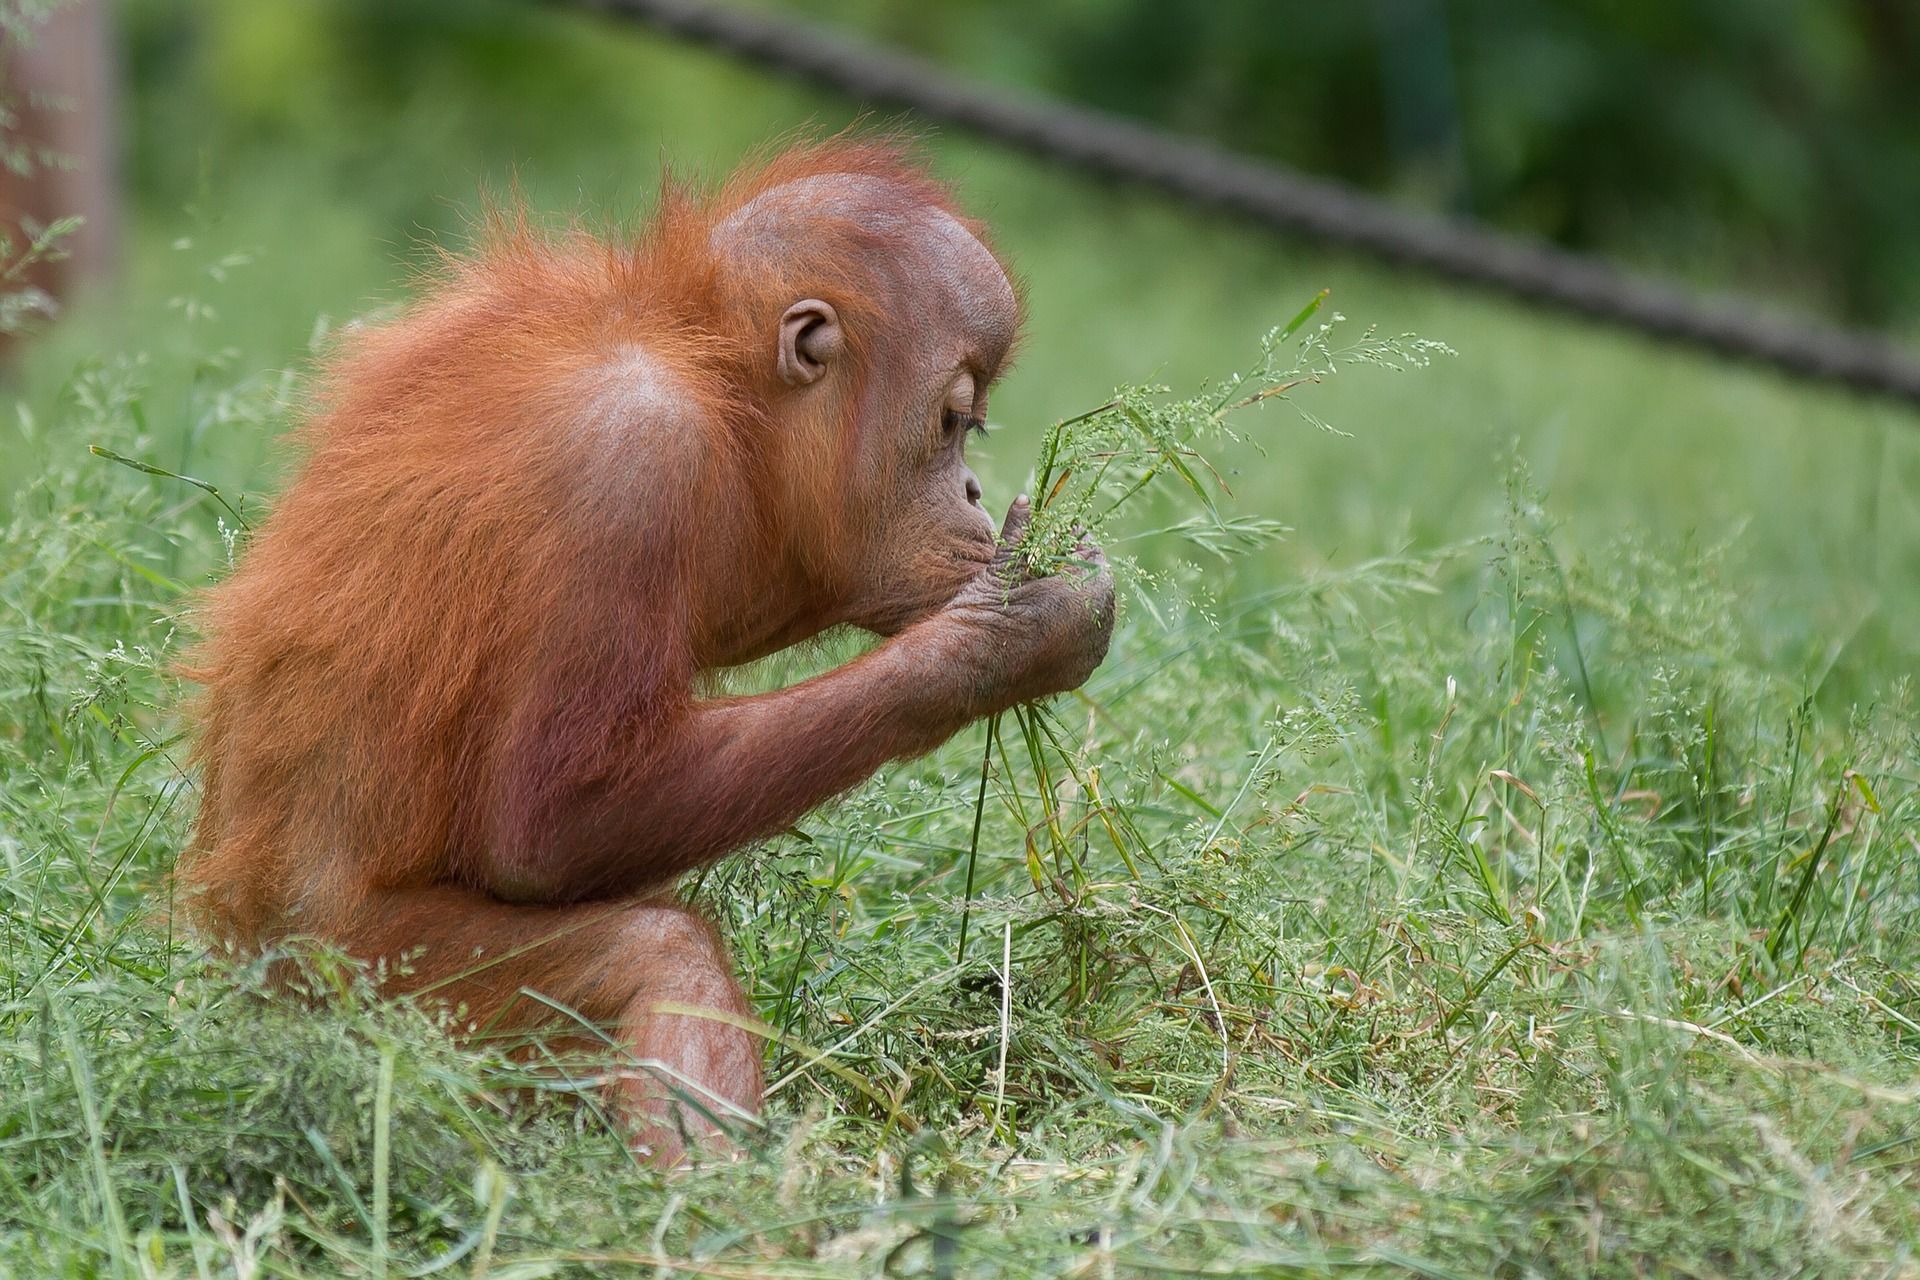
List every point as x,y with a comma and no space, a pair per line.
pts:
449,718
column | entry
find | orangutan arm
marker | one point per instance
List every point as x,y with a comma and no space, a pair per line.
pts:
732,770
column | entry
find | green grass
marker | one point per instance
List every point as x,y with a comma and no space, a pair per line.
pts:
1521,860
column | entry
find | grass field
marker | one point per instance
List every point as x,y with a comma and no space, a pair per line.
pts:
1514,871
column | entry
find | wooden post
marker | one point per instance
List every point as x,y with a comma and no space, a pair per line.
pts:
59,90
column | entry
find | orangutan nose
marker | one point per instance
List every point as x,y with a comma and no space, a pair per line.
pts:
973,488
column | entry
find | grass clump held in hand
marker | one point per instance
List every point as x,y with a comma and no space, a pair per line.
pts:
1096,463
1093,465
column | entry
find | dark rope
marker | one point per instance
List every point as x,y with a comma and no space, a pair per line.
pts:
1200,171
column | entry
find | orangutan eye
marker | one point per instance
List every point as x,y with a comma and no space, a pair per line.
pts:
958,422
965,409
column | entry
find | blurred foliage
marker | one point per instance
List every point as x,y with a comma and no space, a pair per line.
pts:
1768,143
287,161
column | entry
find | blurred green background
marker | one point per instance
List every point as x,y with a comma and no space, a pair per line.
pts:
1762,142
1769,143
287,164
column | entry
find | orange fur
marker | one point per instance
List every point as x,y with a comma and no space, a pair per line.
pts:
433,550
448,711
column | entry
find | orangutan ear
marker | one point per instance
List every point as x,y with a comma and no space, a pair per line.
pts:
810,340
